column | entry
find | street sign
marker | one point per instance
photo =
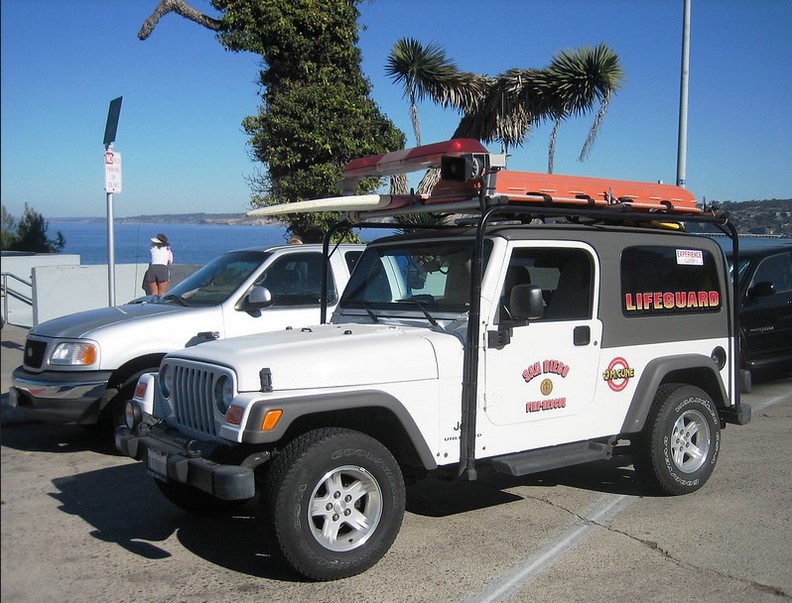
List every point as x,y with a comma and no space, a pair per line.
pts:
112,172
111,126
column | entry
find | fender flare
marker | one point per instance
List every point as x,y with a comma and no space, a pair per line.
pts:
294,408
653,376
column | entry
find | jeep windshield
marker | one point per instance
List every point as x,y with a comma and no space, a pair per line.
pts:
424,278
215,282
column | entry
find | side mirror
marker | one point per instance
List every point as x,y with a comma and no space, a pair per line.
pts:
761,289
526,302
259,297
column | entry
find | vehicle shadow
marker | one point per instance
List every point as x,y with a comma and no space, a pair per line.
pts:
123,506
12,345
435,497
54,437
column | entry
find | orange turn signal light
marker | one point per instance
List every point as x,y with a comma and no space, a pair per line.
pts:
234,415
271,419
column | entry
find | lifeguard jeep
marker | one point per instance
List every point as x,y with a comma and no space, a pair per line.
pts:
516,341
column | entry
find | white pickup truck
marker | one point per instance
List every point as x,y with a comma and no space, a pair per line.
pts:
80,368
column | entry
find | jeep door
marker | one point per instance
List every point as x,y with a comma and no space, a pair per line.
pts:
544,369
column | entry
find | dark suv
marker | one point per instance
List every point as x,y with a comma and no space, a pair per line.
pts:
765,278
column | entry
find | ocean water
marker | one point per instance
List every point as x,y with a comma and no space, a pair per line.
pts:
191,243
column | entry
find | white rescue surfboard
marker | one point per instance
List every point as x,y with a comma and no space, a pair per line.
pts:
344,203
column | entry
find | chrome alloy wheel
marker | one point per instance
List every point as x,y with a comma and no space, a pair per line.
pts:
345,508
690,441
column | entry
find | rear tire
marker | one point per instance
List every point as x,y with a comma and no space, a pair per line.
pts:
334,501
678,448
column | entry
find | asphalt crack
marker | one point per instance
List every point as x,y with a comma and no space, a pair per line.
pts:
665,553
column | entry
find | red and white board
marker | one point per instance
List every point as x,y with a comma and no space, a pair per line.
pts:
516,187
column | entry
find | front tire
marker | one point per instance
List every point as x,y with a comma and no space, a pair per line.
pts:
678,448
334,500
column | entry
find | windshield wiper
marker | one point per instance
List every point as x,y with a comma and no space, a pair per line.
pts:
177,298
367,308
422,306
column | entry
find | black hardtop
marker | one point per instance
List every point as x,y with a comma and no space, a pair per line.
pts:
606,239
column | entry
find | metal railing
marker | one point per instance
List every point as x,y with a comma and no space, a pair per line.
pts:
7,292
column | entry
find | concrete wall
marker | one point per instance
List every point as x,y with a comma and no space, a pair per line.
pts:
60,285
20,312
61,290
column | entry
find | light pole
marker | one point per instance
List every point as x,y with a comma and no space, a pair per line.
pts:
683,97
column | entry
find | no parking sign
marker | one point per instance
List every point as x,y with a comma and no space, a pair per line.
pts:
112,172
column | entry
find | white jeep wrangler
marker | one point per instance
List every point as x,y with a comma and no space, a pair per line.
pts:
518,345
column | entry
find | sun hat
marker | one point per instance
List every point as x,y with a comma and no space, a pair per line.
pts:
161,239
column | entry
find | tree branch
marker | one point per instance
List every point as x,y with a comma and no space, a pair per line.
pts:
185,10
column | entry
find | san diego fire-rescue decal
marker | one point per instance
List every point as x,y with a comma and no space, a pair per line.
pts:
545,367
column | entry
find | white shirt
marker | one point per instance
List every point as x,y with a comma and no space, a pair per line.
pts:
161,255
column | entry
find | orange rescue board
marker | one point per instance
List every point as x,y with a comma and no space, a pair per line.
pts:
529,187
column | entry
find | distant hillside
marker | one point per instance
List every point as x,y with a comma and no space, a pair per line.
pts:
768,217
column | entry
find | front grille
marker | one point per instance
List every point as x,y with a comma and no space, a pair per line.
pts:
34,353
192,396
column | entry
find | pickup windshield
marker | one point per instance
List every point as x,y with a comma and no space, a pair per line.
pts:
215,282
421,276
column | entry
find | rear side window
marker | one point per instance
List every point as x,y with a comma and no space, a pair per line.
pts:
659,280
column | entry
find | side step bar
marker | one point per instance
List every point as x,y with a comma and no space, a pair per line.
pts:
554,457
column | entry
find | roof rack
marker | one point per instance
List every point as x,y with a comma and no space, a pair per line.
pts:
473,180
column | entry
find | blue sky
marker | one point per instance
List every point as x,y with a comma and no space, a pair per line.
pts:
185,97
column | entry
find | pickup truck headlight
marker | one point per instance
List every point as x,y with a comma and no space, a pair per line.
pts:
223,393
75,353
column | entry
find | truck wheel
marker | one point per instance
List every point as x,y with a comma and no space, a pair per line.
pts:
677,450
193,500
334,501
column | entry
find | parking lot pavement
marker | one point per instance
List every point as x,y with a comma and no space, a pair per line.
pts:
82,523
13,344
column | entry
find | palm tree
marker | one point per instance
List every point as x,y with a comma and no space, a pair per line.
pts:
417,68
507,107
579,79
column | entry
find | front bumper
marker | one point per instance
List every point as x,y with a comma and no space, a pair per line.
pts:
59,397
168,456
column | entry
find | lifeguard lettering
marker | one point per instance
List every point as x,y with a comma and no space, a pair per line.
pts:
671,301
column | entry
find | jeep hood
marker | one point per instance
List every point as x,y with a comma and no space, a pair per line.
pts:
337,355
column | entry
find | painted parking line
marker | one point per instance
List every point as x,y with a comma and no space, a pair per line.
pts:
508,583
771,402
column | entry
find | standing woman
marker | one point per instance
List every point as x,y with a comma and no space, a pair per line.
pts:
158,273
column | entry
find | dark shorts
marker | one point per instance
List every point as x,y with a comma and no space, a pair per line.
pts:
157,273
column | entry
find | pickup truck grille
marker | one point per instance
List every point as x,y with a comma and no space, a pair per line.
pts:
192,396
34,353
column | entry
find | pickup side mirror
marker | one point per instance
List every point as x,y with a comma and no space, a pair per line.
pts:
761,289
526,302
259,297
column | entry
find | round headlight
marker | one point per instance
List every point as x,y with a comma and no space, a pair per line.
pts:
132,414
223,393
166,381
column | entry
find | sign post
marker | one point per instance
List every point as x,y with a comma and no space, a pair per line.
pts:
112,162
